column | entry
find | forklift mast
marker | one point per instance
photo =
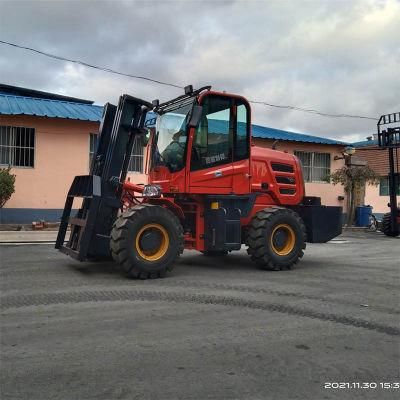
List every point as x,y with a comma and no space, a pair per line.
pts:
101,190
390,139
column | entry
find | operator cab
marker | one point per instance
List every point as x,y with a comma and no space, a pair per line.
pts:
201,144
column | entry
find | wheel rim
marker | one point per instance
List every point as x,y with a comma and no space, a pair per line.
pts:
283,239
159,238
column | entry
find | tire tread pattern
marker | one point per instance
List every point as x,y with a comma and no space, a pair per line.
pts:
120,239
386,226
256,238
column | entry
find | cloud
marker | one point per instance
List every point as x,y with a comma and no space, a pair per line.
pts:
334,56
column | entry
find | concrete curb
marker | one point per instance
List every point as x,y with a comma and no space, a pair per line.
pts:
29,236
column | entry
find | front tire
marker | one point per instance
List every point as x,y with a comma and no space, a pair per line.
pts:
276,238
146,240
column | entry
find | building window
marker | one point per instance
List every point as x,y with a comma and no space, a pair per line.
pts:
316,166
384,187
136,161
17,146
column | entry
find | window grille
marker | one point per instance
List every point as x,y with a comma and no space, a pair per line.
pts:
17,146
316,166
136,160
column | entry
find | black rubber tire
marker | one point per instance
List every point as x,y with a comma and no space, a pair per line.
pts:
123,236
259,235
386,226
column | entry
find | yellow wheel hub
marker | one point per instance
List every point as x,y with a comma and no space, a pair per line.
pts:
152,242
283,239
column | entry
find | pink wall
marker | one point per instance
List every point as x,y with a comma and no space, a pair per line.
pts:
328,192
372,198
61,152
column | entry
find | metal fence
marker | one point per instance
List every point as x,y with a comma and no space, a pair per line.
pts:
316,166
136,161
17,146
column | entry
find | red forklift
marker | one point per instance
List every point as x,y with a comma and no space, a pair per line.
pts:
209,189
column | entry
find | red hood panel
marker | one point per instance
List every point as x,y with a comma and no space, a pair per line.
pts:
278,174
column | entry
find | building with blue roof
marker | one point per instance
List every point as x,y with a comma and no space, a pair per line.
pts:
377,196
48,138
263,132
365,143
22,101
20,105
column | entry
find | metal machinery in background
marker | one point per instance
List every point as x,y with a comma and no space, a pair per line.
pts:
209,189
389,139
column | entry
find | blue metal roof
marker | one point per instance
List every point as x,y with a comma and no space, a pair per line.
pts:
277,134
365,143
20,105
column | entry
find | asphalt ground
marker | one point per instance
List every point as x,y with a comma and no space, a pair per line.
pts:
215,328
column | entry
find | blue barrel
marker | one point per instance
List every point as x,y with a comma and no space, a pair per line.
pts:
362,215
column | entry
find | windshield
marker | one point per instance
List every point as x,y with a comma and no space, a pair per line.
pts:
170,140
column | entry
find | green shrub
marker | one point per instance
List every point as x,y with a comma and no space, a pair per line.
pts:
7,185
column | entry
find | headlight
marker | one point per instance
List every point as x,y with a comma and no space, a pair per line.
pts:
151,191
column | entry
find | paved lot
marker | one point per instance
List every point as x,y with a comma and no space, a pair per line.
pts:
214,329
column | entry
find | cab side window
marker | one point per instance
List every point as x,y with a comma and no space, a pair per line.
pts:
242,136
213,137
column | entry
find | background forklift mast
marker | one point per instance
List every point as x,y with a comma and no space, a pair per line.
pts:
389,139
209,189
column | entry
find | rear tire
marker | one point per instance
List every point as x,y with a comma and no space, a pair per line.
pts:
146,240
386,226
276,238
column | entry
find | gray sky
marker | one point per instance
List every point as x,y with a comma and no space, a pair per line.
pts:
334,56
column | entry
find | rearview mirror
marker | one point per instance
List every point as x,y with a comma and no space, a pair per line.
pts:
195,116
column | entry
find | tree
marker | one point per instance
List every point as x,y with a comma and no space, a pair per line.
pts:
354,178
7,185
